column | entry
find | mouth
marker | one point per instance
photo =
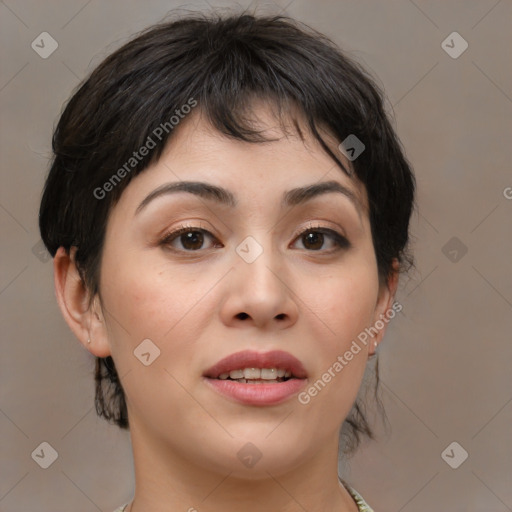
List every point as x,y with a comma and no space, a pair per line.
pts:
257,378
255,366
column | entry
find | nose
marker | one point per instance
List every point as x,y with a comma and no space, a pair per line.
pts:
260,294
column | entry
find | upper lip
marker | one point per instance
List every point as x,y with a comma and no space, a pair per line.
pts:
252,359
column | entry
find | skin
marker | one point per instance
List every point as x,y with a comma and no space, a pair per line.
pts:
300,296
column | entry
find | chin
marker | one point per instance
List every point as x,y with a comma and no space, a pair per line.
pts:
257,456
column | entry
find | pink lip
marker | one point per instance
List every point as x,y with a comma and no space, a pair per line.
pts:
251,359
257,394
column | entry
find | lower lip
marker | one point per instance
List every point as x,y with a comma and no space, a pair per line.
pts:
257,394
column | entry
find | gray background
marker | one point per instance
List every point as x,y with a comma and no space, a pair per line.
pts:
445,358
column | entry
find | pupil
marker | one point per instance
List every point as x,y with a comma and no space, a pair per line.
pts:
193,240
315,237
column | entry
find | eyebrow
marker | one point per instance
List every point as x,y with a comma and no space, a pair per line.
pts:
223,196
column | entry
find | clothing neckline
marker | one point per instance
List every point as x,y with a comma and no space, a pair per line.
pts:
361,504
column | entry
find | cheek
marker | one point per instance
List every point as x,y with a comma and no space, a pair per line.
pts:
141,301
172,307
344,307
148,303
345,303
144,303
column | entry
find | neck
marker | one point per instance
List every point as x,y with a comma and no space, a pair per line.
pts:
167,481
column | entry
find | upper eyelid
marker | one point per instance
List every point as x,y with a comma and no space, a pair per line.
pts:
315,225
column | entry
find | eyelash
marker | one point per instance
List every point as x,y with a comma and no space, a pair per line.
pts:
339,240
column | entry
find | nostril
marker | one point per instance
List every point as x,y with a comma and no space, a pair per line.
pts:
242,316
280,316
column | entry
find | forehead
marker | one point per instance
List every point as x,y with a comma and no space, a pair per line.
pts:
290,157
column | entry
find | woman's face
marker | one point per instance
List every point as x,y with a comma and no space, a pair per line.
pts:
263,268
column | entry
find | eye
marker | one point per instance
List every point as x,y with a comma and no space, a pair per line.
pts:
191,238
314,237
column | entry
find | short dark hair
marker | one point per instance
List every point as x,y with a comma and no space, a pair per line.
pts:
220,62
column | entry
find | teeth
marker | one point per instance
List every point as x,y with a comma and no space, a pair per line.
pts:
246,381
252,373
256,374
268,373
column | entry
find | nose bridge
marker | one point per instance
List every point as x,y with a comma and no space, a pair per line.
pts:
259,290
258,259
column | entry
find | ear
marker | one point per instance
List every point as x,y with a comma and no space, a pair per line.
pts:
85,319
385,300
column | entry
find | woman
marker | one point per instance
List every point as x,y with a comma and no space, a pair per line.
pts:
228,210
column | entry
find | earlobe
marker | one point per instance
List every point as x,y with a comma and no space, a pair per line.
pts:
75,305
